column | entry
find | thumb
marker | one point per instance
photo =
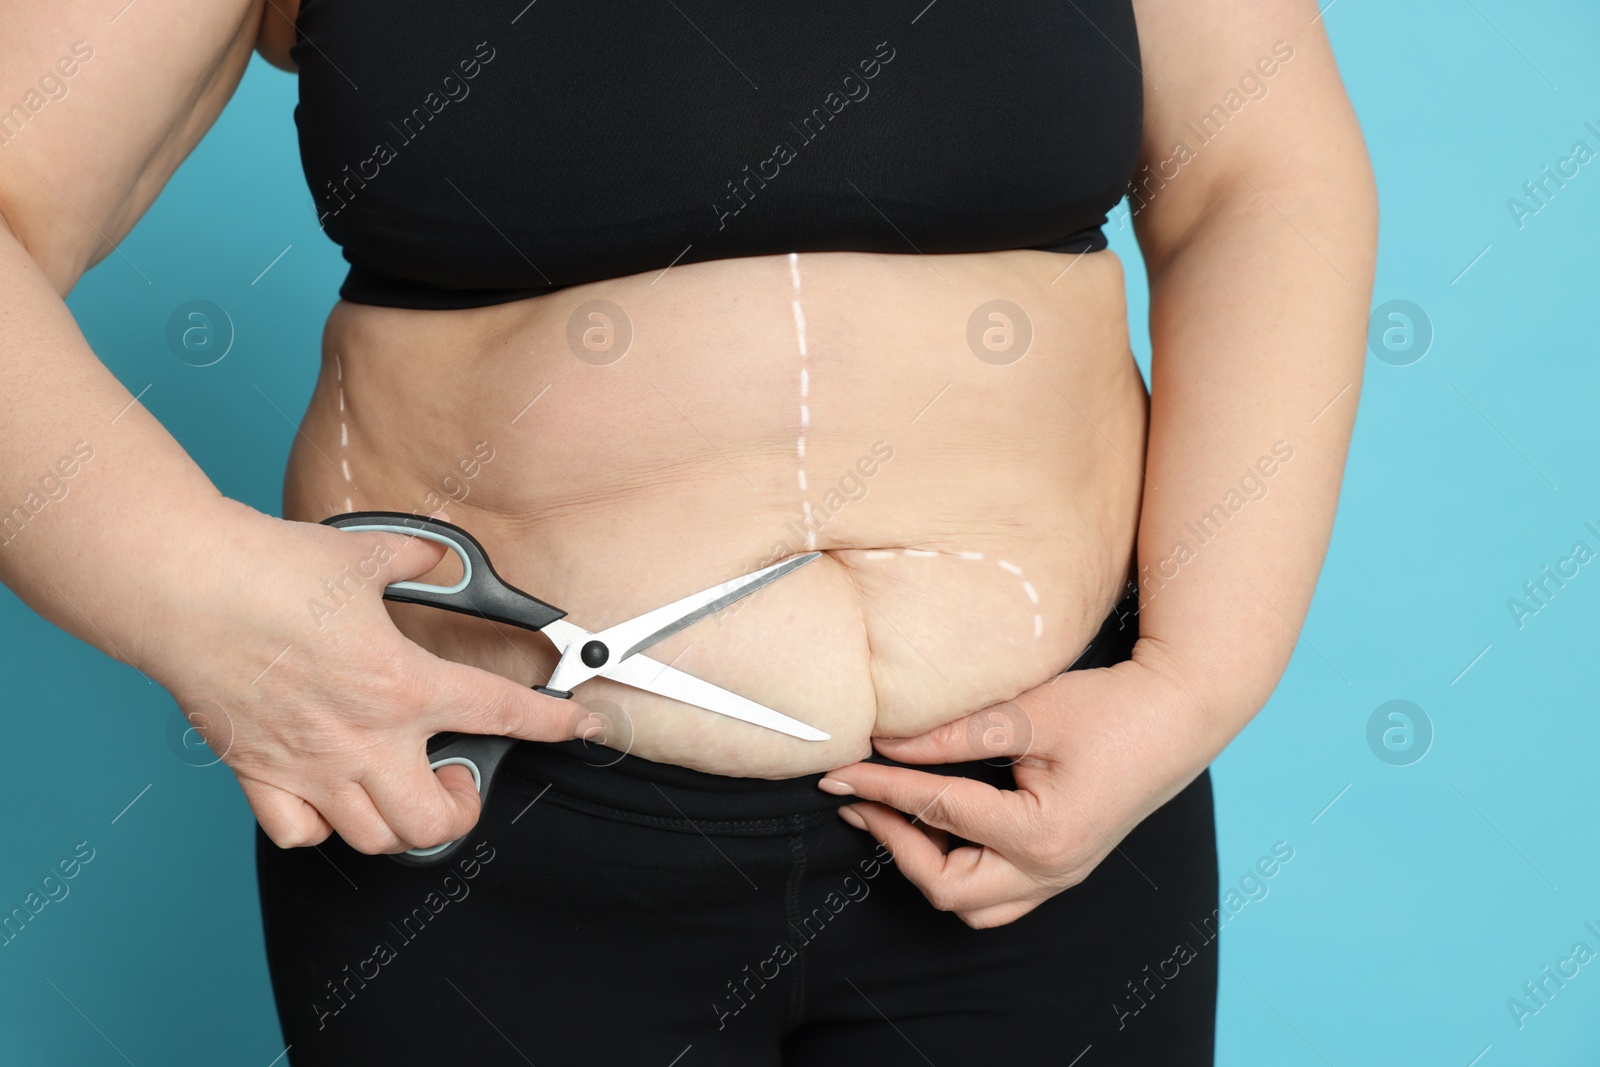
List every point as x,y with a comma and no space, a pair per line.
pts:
400,557
1000,731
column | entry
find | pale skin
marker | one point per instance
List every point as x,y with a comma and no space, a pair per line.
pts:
1260,258
1260,249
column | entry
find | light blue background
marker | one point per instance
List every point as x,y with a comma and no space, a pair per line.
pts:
1414,906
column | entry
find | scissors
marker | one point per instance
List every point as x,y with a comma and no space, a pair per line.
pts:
614,652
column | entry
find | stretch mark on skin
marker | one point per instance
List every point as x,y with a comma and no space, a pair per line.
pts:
344,432
976,557
805,400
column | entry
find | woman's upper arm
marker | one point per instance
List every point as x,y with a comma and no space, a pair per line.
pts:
1242,97
100,100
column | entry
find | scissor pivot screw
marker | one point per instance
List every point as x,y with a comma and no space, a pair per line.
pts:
594,654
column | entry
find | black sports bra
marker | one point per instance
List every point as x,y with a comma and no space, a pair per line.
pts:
471,152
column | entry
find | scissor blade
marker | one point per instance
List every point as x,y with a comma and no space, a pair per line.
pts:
640,633
626,639
642,672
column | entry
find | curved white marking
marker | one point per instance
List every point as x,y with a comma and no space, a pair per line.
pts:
805,394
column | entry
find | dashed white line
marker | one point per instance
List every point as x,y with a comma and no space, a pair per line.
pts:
1028,588
344,435
805,396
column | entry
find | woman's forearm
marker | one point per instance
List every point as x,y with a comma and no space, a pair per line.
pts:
101,511
1258,333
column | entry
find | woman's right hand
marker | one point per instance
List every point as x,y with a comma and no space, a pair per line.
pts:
324,719
281,652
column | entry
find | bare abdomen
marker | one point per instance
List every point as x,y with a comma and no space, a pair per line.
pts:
977,511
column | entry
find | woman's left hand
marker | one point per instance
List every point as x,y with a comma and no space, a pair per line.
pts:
1095,751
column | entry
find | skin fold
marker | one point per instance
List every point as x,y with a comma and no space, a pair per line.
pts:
974,562
1007,504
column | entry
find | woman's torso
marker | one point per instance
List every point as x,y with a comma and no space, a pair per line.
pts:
619,443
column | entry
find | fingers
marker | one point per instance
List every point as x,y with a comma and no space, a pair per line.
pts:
983,885
407,806
971,809
473,701
398,802
289,821
1000,731
356,819
964,880
422,807
998,914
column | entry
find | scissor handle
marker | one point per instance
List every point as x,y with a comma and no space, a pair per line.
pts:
480,591
479,753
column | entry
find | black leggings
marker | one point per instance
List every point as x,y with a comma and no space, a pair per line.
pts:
640,913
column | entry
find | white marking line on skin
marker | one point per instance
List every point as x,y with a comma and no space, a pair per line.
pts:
805,397
344,430
1009,568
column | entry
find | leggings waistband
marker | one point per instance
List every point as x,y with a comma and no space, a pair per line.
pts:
601,778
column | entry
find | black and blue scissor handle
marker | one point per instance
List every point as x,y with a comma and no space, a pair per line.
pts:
482,593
